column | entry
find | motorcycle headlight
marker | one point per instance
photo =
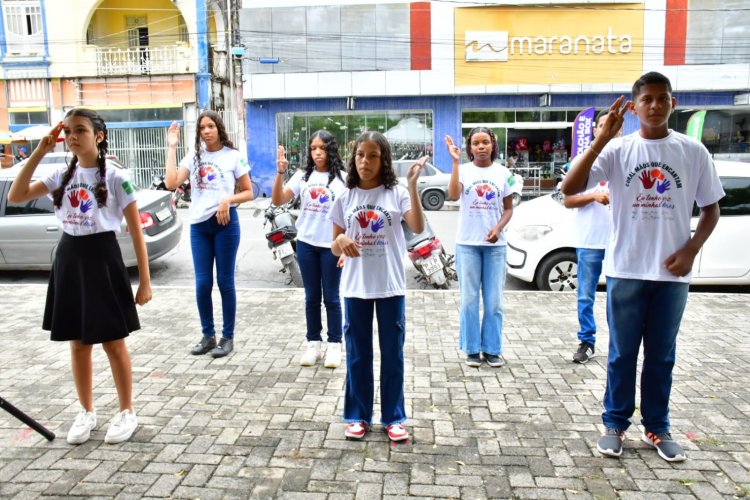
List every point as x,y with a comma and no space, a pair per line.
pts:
531,233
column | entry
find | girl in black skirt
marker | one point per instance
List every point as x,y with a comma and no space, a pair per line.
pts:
89,298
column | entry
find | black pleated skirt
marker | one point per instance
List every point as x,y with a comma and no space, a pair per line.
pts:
89,297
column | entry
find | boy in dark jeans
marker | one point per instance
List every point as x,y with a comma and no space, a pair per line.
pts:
655,175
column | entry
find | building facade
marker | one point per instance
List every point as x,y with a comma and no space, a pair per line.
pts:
142,64
419,71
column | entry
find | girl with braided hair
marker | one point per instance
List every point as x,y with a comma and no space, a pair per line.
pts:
89,297
219,181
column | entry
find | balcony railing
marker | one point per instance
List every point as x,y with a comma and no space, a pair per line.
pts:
112,61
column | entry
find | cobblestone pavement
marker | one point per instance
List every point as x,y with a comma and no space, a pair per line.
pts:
257,425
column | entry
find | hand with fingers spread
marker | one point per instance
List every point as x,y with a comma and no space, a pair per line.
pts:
282,164
453,150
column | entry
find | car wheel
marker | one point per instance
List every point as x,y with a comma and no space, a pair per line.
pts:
516,198
433,200
558,272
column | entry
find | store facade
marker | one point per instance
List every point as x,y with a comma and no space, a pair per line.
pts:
525,72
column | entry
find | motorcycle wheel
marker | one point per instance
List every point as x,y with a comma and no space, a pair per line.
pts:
293,268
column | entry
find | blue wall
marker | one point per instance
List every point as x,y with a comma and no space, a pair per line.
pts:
447,111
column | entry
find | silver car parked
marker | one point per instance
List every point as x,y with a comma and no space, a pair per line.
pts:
29,231
432,183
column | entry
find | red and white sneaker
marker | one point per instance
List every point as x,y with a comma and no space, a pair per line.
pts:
397,432
355,430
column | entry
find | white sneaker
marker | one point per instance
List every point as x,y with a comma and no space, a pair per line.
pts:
333,355
123,426
312,354
84,423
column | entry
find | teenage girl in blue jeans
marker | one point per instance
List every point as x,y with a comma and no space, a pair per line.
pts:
318,186
484,189
215,167
367,230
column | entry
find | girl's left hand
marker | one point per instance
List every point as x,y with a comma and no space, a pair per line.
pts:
143,294
340,263
222,214
493,235
413,174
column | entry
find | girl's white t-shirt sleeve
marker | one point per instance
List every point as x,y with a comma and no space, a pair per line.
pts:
123,188
54,179
404,200
507,190
241,166
188,160
295,183
336,215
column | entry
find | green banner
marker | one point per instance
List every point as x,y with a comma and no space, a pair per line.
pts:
695,125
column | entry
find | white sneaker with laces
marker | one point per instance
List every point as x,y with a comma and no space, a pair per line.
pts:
333,355
84,423
312,354
123,426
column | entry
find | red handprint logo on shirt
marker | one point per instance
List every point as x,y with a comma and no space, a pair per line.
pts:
655,176
80,198
485,191
320,194
73,199
208,172
362,219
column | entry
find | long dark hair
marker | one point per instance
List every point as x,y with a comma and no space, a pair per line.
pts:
335,163
387,174
481,130
223,137
100,190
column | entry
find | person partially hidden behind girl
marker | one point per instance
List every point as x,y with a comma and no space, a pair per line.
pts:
89,297
214,167
318,185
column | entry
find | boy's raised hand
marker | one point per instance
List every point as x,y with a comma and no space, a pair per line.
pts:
615,118
453,150
173,135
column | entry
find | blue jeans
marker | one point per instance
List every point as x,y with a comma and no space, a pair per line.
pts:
589,270
210,241
651,312
481,266
319,272
360,386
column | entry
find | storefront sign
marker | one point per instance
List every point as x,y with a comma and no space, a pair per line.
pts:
583,131
523,45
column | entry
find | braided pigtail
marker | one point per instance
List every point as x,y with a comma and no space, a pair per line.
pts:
100,190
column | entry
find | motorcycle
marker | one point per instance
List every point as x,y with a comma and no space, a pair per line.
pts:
434,265
282,239
181,193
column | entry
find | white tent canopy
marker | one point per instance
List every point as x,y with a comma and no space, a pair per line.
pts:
33,133
411,131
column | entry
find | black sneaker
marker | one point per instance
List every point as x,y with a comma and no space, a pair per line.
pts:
225,347
474,360
493,360
205,345
610,443
584,353
667,447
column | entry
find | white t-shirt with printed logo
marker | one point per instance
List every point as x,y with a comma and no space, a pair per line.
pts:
79,213
482,193
316,199
591,222
372,218
212,180
653,184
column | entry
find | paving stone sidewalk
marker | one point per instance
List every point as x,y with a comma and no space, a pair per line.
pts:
257,425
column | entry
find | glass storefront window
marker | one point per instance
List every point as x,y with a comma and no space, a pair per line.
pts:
409,132
726,132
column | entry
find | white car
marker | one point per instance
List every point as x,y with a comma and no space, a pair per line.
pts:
540,251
